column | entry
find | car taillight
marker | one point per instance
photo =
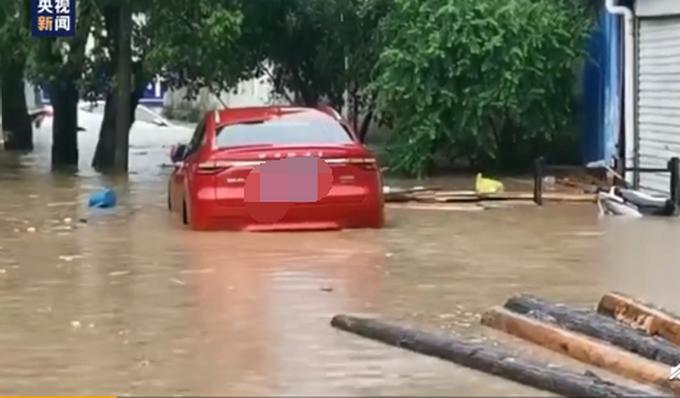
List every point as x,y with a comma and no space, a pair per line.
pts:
217,166
364,163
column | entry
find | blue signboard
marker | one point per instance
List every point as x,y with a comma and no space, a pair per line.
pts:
153,95
53,18
154,92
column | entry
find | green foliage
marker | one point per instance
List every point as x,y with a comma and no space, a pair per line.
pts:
56,59
198,43
14,33
489,80
99,75
306,42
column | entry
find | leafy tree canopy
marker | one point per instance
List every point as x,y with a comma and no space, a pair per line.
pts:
489,80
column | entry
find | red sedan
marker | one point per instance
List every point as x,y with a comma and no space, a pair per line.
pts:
275,168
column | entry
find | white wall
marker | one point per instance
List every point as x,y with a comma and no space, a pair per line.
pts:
254,92
651,8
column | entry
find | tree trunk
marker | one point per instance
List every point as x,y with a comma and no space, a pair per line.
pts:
599,326
365,125
16,123
581,348
355,111
489,359
641,316
103,160
64,97
103,155
123,90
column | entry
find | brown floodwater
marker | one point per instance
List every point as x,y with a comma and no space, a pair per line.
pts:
132,303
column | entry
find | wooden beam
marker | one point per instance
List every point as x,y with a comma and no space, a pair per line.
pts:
641,316
582,348
488,359
436,206
472,197
598,326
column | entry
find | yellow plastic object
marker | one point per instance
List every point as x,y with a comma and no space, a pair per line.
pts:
485,186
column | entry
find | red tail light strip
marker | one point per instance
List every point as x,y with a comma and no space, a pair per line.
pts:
351,161
225,164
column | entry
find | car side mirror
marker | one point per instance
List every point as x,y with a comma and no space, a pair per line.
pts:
178,153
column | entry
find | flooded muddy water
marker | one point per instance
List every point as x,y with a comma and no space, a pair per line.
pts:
129,302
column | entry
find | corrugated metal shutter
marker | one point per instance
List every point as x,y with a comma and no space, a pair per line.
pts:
658,113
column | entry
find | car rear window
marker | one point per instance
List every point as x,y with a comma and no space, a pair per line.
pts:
283,132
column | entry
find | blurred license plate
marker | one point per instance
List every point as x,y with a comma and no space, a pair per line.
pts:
291,180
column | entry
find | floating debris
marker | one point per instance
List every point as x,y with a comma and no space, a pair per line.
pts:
68,259
62,204
30,229
75,324
198,271
103,199
588,234
120,273
62,228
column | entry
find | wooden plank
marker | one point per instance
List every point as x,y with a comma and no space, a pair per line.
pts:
642,316
470,197
549,196
581,347
488,359
436,207
598,326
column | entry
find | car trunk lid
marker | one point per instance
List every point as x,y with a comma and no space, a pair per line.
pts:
350,169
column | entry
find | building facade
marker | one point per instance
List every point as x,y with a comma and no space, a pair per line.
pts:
657,90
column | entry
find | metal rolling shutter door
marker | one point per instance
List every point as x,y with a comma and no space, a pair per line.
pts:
658,107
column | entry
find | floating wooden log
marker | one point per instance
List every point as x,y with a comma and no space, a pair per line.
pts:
581,347
437,206
596,325
651,320
548,196
492,360
392,194
471,196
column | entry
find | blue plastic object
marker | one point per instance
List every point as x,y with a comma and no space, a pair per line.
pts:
103,199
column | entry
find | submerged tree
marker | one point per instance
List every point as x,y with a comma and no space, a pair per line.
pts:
116,72
59,64
14,46
319,50
191,45
203,47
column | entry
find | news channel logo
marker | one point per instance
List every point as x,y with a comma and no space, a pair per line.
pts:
53,18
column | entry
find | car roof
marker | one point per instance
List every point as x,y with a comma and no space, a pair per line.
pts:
245,114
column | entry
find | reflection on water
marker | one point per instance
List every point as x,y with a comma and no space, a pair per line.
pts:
130,303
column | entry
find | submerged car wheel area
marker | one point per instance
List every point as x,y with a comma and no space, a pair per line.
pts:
275,168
